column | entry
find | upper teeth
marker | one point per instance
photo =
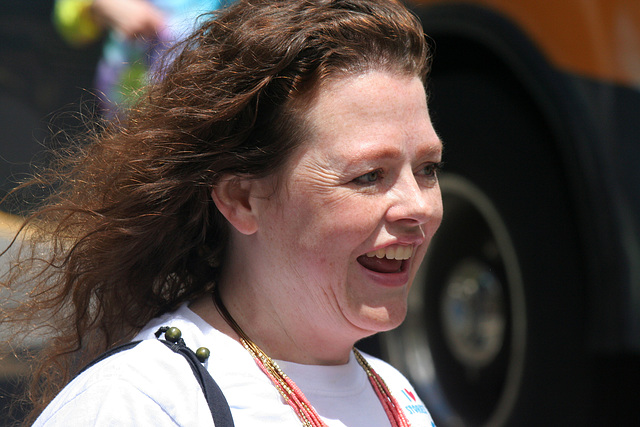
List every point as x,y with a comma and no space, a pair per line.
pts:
393,252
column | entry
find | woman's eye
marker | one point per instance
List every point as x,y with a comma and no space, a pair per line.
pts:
369,178
431,170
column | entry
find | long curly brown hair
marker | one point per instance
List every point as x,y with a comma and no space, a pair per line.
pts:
130,231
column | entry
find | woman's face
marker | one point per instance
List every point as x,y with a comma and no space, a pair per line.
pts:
344,233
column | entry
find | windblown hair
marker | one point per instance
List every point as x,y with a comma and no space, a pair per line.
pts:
131,231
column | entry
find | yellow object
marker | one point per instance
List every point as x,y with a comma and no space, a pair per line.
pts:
73,20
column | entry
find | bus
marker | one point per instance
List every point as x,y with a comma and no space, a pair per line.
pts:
526,310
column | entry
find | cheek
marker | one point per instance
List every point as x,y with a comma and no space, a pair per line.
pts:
433,201
436,218
342,220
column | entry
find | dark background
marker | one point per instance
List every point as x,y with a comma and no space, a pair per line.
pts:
43,83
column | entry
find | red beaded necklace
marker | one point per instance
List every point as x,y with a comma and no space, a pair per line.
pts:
292,393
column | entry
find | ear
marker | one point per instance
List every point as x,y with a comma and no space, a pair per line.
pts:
232,196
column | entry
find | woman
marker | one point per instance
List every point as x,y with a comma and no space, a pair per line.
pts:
272,197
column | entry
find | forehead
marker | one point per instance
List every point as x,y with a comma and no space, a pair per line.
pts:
375,110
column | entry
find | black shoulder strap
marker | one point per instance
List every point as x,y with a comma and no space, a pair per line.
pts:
215,398
218,405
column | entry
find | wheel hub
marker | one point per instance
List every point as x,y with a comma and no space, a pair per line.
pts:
473,314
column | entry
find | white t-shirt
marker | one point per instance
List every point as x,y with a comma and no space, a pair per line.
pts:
150,385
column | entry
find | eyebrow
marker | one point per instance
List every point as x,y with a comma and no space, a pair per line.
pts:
437,149
376,153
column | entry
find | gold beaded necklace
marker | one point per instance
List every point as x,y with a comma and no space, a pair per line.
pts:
292,393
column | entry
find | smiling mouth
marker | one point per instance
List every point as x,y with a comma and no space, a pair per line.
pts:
386,260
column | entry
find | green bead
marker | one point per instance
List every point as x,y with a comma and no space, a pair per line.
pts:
173,334
202,354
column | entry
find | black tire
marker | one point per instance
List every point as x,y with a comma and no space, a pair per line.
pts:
508,233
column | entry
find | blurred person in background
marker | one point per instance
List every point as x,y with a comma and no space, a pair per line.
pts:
138,32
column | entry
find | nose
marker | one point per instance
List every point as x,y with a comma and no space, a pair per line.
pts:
413,202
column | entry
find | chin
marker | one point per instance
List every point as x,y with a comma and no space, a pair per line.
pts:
382,319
